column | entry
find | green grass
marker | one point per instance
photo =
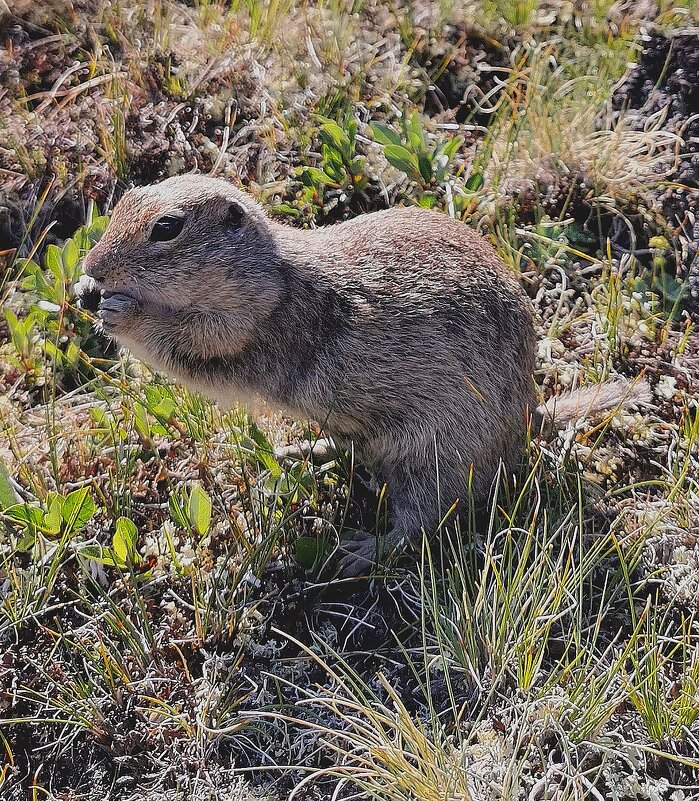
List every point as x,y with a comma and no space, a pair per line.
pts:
167,626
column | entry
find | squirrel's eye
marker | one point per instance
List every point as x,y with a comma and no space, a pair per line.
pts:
166,228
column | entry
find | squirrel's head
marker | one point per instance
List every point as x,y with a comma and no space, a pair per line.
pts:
189,242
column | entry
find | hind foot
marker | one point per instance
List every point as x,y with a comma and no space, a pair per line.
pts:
364,551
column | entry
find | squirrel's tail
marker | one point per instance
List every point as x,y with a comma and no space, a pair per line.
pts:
560,410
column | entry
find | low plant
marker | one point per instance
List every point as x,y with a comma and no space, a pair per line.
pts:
338,178
424,160
50,328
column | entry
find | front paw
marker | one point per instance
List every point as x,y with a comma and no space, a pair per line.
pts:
88,293
117,313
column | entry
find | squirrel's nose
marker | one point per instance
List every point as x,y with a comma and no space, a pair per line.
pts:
93,266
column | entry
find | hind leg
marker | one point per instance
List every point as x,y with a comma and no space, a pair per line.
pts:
416,504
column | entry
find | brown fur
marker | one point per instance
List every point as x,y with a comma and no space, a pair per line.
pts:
588,402
401,332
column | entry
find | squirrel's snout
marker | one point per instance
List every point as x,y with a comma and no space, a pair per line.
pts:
94,266
91,266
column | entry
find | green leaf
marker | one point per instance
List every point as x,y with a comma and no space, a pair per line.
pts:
18,332
72,355
384,135
165,409
141,421
71,259
54,262
452,146
29,270
28,283
475,181
124,540
285,208
268,461
35,281
177,514
24,514
357,166
23,266
314,176
81,241
670,288
100,417
577,235
416,136
97,228
425,164
334,137
8,496
403,160
308,551
26,542
54,353
51,524
263,452
154,395
101,554
335,173
331,157
351,129
199,510
77,510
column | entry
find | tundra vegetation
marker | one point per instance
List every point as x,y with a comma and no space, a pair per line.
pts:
165,629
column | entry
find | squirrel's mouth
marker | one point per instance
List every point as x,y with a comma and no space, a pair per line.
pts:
90,293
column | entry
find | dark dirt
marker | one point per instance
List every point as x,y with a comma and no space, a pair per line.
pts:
104,143
665,82
464,67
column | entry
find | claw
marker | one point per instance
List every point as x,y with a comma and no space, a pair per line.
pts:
359,554
88,293
365,550
350,567
362,540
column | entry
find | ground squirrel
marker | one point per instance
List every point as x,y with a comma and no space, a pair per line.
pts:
401,332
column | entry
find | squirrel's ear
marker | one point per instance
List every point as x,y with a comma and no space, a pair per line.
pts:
235,214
